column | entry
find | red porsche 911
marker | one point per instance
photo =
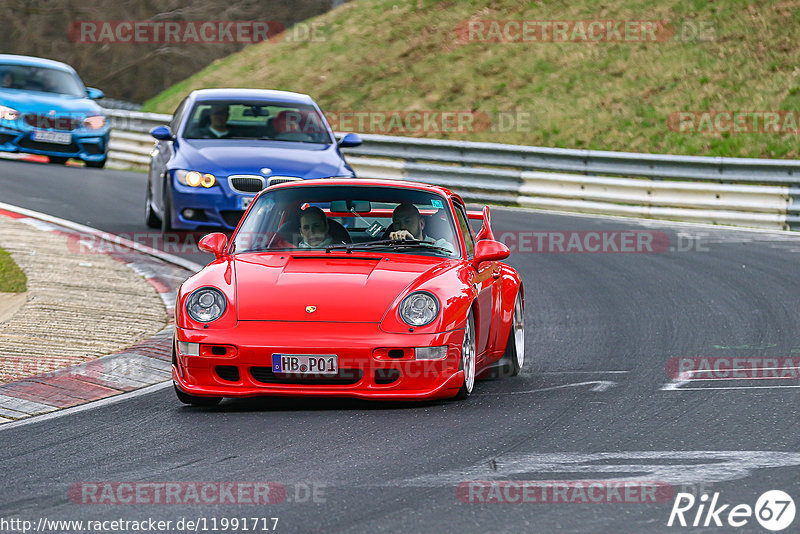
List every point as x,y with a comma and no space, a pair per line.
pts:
349,288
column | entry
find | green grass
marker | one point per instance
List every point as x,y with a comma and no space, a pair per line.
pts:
12,279
393,55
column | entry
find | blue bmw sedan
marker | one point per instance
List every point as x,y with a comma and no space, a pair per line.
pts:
223,146
45,109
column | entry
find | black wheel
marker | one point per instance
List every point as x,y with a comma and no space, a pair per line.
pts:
514,355
150,217
166,220
57,160
468,359
96,164
195,401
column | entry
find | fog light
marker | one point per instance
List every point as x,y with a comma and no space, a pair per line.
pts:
430,353
189,349
188,213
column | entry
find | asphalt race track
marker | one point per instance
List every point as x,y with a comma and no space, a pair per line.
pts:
594,402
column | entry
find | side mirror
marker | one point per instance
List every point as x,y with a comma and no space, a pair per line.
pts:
486,230
489,250
94,94
215,244
350,140
162,133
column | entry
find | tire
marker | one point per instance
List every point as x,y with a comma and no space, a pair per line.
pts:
166,220
96,164
468,356
57,160
150,217
195,401
514,356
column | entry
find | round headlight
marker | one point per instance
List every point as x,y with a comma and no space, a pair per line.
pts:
419,309
193,178
208,180
206,304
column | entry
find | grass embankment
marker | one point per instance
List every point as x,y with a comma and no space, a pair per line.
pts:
12,279
392,55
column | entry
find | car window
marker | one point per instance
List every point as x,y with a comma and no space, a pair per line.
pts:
466,229
177,117
42,79
273,121
386,219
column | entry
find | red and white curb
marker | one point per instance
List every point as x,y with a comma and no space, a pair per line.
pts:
146,364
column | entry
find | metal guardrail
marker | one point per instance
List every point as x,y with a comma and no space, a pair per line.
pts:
760,193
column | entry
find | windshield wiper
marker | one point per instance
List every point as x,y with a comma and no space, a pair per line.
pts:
393,243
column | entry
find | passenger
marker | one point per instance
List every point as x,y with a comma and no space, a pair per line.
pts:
409,224
314,228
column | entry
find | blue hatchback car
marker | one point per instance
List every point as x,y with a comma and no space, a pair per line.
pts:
45,109
223,146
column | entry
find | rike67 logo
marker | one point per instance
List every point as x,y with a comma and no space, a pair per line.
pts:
774,510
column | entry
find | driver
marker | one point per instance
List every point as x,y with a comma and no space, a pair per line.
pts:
409,224
314,228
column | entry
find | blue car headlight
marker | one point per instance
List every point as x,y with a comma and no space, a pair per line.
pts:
9,114
195,178
95,122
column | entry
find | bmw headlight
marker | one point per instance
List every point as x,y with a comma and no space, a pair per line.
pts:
195,178
419,308
9,114
206,304
95,122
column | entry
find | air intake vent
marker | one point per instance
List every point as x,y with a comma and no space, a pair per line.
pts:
228,372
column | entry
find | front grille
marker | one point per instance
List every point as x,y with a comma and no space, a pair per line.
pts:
246,183
283,179
5,138
344,377
52,123
232,217
71,148
228,372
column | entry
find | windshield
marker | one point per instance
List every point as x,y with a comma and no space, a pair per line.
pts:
42,79
347,218
273,121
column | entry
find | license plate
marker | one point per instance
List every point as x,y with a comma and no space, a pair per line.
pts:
59,138
246,201
305,364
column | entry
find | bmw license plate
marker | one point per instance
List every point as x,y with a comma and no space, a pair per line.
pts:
59,138
246,201
305,364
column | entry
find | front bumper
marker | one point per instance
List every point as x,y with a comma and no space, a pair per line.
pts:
85,145
214,206
366,370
